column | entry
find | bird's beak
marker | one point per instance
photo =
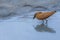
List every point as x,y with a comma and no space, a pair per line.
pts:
55,11
34,17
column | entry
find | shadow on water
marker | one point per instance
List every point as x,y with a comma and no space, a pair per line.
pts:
44,28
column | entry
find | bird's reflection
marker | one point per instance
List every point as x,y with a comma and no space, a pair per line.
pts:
44,28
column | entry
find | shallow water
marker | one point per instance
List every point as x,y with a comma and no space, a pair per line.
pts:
21,28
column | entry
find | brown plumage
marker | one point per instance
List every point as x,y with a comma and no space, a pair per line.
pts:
43,15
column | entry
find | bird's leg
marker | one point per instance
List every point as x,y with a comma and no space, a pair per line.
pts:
42,21
46,22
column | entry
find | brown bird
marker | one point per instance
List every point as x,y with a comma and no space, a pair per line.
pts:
43,15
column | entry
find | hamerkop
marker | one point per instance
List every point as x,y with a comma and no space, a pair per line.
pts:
43,15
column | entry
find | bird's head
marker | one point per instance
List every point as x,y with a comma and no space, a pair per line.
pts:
36,14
